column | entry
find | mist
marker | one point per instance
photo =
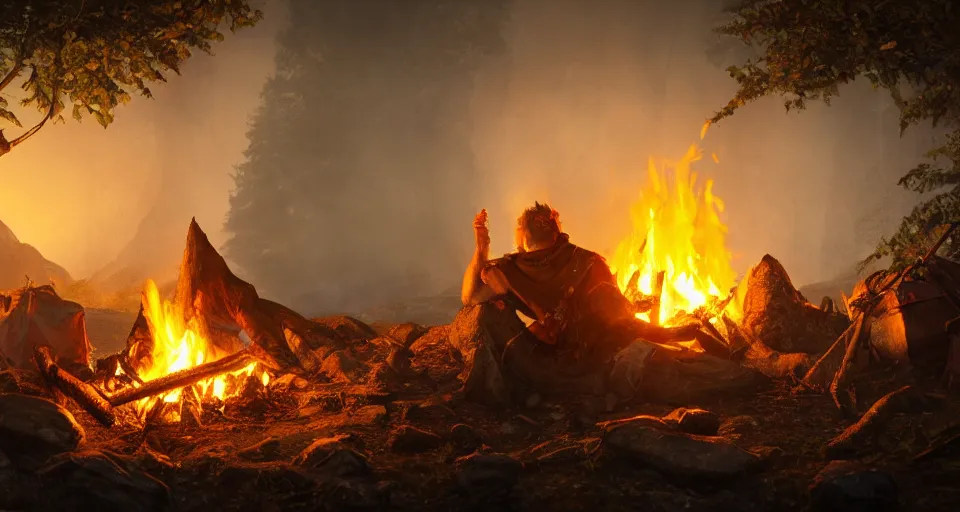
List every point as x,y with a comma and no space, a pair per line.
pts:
593,89
119,200
583,95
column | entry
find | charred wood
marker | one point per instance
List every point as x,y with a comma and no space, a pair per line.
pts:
85,395
184,378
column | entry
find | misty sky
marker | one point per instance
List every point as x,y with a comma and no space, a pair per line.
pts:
588,91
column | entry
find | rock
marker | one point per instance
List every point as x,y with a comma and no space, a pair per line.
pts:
33,429
433,337
345,463
770,456
266,450
735,426
488,478
533,400
428,412
694,421
677,454
34,316
771,310
341,367
407,333
852,487
319,450
346,328
464,438
94,480
409,439
341,494
365,416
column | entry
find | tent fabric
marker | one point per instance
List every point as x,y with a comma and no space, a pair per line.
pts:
38,316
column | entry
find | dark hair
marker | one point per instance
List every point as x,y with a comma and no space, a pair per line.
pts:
541,222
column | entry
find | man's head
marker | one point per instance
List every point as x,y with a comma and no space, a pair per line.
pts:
538,227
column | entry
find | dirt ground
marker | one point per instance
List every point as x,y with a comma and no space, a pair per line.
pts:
251,455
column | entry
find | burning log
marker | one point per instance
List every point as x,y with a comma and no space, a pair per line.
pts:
657,298
184,378
85,395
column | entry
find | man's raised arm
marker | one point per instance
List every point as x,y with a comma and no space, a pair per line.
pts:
474,291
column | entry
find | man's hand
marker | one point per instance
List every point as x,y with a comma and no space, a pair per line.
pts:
481,232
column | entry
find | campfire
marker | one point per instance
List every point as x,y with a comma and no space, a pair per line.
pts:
675,261
180,345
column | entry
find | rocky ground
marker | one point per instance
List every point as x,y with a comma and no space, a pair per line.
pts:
384,429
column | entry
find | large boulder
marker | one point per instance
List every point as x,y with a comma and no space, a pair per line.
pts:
93,480
34,429
768,308
19,261
38,316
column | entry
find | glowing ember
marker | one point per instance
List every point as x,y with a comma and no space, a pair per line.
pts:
177,346
677,230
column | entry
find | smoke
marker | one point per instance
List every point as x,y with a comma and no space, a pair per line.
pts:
120,200
592,90
586,93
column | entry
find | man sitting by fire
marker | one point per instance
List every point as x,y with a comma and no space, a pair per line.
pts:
583,336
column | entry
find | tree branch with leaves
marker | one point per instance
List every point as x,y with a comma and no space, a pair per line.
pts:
95,54
809,48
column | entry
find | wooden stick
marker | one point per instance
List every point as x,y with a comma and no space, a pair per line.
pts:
657,298
183,378
85,395
839,383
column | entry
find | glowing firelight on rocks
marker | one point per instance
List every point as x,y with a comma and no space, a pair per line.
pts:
179,345
677,230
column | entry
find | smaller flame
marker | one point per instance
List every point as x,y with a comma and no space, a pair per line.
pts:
179,345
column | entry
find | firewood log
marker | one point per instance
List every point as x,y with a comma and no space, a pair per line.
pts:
183,378
85,395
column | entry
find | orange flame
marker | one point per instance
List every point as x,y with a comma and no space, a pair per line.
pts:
178,345
676,229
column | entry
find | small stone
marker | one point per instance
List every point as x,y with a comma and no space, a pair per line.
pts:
407,333
266,450
736,426
345,463
464,438
94,480
694,421
33,429
488,478
409,439
770,456
533,400
845,485
341,367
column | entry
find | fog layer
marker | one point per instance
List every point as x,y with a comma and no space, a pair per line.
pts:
585,93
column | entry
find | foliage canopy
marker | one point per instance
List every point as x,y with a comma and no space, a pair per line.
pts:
808,48
93,54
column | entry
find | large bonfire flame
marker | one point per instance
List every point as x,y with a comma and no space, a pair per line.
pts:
676,230
179,345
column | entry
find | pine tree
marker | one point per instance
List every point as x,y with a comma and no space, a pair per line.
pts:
808,48
362,133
